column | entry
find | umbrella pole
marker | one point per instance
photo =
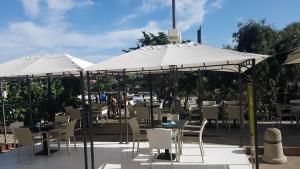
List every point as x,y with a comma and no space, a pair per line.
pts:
241,109
3,112
255,115
29,102
151,99
200,93
119,107
125,107
84,121
90,119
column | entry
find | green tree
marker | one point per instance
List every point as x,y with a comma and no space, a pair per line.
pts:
262,38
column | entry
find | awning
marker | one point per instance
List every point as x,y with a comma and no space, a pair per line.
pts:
43,65
293,58
190,56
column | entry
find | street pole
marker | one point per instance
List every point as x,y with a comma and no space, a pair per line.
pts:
174,14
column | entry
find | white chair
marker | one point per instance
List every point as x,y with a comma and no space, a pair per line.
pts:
131,110
296,111
26,138
136,133
74,114
142,114
280,114
161,139
204,122
64,134
233,113
12,126
62,119
211,113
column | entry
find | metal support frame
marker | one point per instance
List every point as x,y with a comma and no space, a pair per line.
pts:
241,108
200,88
90,119
49,98
255,115
151,100
84,121
3,113
125,105
119,109
29,101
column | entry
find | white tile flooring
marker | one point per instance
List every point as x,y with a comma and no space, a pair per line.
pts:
111,155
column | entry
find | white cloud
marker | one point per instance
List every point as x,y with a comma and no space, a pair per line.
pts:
188,12
31,7
217,4
31,38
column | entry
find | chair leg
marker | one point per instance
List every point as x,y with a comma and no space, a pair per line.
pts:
18,155
67,143
201,152
74,141
133,147
150,158
58,143
138,145
171,158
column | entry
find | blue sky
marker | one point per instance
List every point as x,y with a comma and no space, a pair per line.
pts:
98,29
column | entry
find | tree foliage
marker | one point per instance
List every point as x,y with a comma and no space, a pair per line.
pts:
272,77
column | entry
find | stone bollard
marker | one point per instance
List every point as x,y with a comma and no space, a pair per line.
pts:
273,151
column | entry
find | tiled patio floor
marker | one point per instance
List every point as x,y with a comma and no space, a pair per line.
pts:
111,155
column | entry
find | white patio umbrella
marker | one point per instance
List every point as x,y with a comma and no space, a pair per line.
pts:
293,58
42,66
184,56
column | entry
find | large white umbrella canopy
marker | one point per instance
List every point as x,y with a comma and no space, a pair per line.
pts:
293,58
43,65
184,56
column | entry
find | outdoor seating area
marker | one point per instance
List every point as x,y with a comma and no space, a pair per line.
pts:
164,101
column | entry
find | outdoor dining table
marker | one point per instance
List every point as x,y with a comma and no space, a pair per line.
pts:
179,126
44,129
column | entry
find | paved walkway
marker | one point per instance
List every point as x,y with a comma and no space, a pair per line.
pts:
111,155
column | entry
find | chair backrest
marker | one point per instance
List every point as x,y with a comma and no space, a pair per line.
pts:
231,102
233,112
70,128
68,109
210,109
159,138
173,117
24,136
74,113
204,122
133,123
208,103
62,119
130,110
141,113
16,124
